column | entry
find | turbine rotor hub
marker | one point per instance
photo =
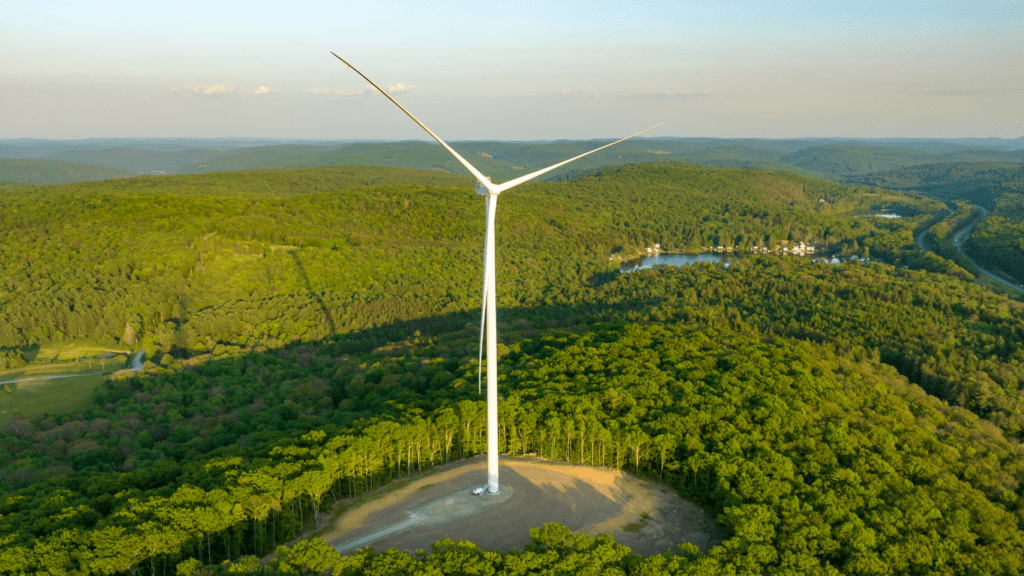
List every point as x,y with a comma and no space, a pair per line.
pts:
482,190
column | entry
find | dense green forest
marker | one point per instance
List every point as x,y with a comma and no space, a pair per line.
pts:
979,182
946,171
844,161
7,185
205,263
816,457
315,336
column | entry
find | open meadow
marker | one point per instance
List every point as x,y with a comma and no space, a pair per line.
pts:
60,377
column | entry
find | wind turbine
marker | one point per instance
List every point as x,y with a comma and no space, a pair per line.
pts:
490,192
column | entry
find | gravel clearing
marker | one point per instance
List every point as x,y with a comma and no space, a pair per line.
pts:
586,499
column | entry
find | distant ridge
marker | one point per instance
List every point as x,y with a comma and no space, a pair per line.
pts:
829,158
52,171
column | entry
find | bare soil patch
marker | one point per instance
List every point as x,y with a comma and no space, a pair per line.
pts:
648,517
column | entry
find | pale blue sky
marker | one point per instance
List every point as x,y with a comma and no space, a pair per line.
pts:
520,70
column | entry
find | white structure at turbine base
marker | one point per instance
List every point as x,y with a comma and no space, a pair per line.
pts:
488,320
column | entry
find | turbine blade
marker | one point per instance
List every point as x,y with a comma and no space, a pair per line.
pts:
512,183
476,173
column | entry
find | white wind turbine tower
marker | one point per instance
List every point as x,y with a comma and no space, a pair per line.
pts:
490,192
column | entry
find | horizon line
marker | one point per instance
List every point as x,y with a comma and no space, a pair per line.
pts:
518,140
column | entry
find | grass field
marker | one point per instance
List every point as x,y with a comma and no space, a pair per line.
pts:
64,352
49,395
54,382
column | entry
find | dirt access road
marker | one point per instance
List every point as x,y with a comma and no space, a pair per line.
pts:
136,366
585,499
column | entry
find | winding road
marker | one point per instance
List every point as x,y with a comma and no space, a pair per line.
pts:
960,238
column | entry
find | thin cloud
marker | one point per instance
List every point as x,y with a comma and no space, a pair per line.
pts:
336,92
205,90
399,88
262,90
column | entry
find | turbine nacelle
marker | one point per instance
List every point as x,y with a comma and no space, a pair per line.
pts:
483,190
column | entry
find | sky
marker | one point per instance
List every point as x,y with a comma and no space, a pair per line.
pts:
526,70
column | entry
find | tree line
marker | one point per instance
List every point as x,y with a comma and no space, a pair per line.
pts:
812,462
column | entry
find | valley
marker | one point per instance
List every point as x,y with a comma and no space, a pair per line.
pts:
312,336
260,314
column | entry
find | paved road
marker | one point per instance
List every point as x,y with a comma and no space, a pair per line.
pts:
958,241
960,237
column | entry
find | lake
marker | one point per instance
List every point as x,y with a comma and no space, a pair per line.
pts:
690,259
672,260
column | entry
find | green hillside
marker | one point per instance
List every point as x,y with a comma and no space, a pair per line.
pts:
52,171
177,257
313,333
836,161
501,160
665,372
505,160
843,161
980,182
142,161
257,157
7,185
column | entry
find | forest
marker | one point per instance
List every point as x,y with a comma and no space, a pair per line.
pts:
53,171
316,337
979,182
237,260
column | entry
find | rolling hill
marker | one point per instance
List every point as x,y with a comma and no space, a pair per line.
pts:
312,335
52,171
980,182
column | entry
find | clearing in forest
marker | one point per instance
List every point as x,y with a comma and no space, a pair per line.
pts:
648,517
